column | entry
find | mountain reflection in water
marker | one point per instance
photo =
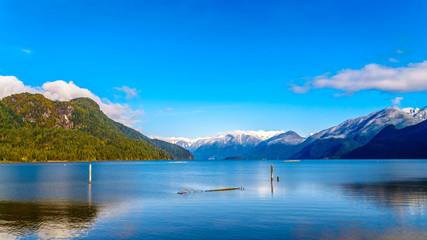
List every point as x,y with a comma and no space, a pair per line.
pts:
321,199
63,219
396,194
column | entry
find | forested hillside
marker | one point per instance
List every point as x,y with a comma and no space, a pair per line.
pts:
33,128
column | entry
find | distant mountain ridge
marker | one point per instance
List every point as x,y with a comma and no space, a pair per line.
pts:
289,137
364,128
240,137
34,128
281,146
339,140
334,142
223,145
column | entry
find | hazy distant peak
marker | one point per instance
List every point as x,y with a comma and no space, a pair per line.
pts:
289,137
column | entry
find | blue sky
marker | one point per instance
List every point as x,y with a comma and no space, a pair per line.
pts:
201,67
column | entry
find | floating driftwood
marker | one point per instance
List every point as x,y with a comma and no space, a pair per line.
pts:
211,190
189,191
225,189
292,160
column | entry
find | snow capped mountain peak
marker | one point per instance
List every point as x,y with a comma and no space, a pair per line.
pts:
411,111
357,130
416,112
260,134
367,126
289,137
237,137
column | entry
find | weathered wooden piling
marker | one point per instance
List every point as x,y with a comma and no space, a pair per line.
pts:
278,178
271,172
90,173
272,188
89,194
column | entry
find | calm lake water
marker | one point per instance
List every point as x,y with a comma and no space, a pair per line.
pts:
138,200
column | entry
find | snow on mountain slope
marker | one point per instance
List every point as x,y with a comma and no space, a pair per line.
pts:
416,112
346,136
364,128
289,138
243,138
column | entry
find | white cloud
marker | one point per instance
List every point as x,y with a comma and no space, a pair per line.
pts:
300,89
169,109
399,51
130,92
26,50
393,60
63,91
397,100
10,85
412,78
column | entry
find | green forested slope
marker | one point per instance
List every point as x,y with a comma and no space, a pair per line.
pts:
33,128
175,152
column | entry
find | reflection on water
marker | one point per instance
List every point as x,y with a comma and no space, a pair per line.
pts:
396,194
46,219
139,200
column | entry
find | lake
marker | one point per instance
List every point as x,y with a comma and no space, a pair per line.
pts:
314,199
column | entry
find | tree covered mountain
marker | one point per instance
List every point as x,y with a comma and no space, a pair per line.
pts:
175,151
33,128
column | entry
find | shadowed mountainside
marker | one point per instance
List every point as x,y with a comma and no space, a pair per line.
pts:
393,143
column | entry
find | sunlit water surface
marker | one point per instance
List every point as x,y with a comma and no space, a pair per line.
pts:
138,200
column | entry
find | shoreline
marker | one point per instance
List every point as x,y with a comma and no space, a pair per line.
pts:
76,161
185,161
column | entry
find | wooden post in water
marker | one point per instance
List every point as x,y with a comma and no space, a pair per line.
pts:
271,172
271,184
90,173
278,178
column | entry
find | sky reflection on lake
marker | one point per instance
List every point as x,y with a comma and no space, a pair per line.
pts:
312,200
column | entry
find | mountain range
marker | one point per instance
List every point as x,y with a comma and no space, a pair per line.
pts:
222,145
34,128
334,142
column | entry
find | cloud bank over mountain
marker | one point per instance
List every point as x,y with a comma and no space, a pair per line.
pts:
63,91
